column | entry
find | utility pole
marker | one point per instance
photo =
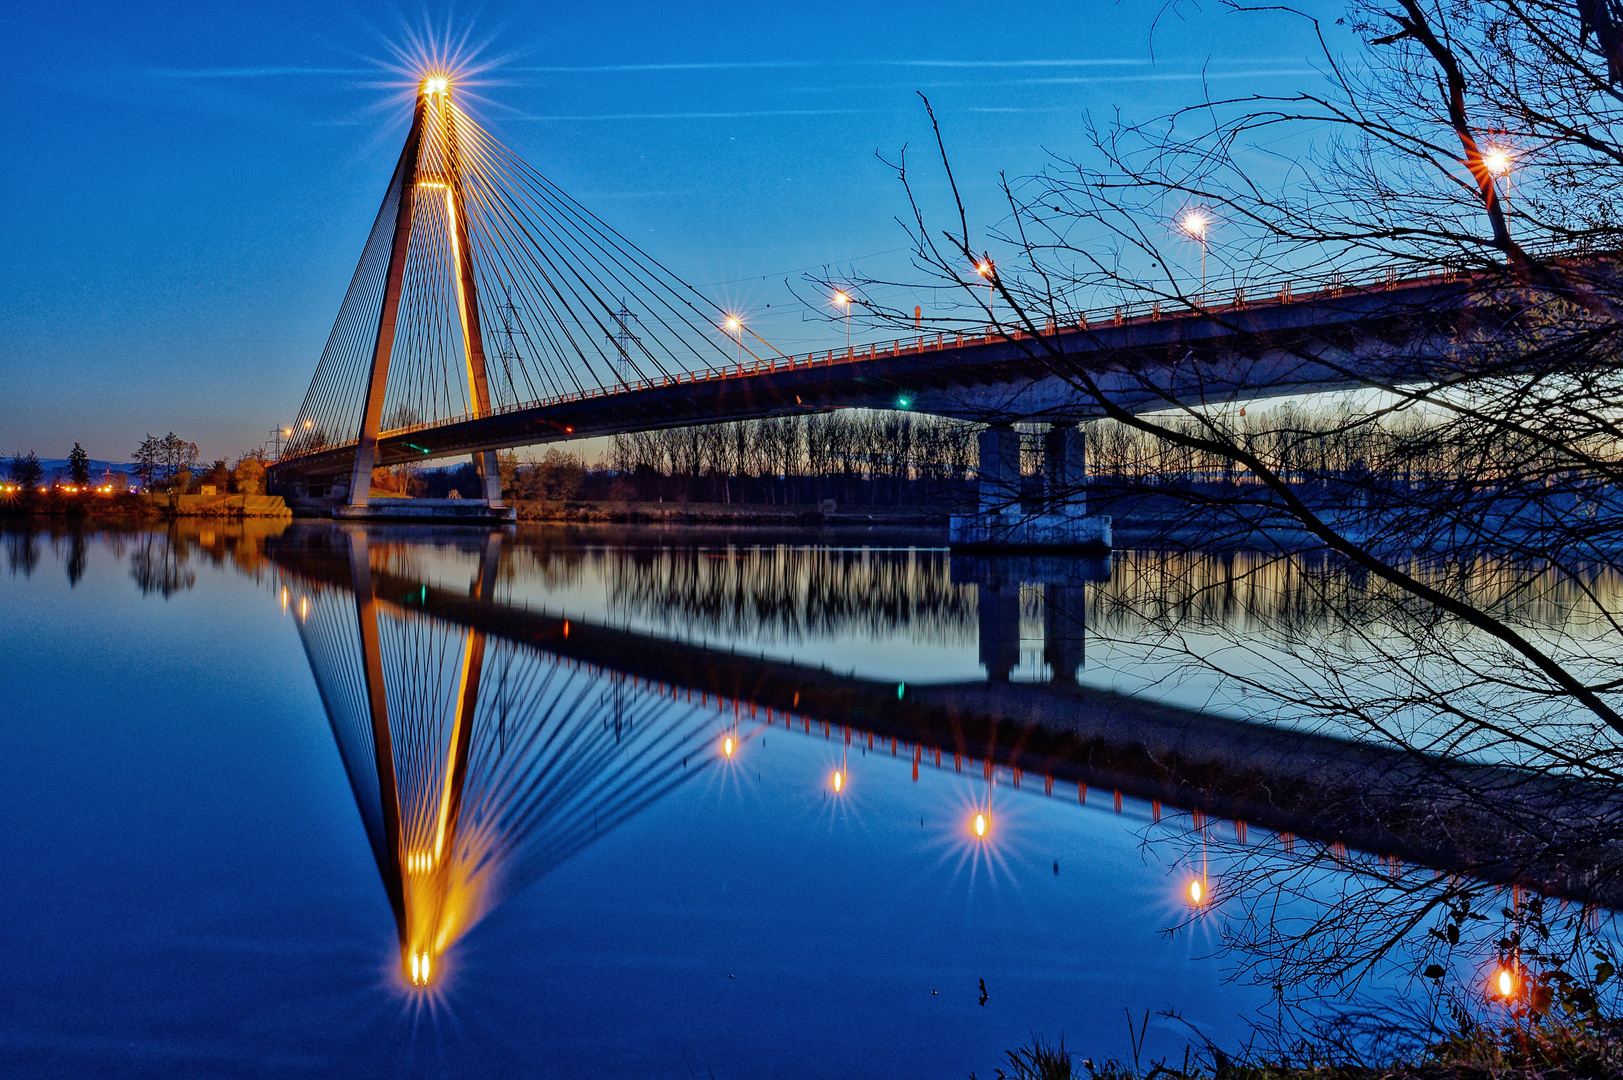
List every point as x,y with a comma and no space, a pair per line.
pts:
622,340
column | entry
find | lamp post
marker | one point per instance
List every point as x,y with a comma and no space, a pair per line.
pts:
1196,224
736,328
1498,162
842,299
986,270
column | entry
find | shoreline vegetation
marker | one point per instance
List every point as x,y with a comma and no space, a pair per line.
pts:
1527,1045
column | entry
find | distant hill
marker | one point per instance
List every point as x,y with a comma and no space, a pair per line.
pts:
97,466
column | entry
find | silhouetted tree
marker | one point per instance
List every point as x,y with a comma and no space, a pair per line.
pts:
79,465
1478,145
26,471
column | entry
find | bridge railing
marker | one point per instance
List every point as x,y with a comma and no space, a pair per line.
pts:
1276,292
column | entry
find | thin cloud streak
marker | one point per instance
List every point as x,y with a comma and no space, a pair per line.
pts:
254,72
698,115
726,65
743,65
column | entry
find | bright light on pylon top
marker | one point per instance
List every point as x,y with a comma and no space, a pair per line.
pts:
436,84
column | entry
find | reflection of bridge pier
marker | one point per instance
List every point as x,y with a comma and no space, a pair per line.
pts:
997,581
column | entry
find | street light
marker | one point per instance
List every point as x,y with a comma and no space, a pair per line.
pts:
1497,162
842,299
736,328
1195,224
986,270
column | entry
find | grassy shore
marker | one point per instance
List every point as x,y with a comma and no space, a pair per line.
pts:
1525,1048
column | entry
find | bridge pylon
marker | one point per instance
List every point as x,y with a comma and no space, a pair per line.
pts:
433,115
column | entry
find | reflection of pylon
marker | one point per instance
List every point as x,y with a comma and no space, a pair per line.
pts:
477,768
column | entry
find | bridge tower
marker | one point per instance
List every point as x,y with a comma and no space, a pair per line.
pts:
433,116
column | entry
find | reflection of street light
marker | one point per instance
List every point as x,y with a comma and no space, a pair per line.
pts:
1195,224
843,299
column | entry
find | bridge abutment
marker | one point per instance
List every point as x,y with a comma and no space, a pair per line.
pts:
1004,517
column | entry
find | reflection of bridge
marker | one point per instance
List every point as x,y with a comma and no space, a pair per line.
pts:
477,765
540,749
489,310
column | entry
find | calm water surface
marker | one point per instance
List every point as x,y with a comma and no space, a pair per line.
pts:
557,868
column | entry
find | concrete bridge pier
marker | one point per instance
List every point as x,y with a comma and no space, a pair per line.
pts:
1060,518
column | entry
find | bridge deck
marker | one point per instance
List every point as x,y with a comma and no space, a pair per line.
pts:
1244,347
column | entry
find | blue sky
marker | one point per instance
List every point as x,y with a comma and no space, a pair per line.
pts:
192,182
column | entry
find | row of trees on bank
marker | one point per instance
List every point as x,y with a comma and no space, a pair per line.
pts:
171,463
850,456
858,456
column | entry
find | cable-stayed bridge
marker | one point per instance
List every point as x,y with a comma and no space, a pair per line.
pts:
489,310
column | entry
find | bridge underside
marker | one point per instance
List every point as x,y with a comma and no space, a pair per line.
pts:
1328,342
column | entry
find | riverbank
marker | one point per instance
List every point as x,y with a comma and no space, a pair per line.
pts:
126,506
553,512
